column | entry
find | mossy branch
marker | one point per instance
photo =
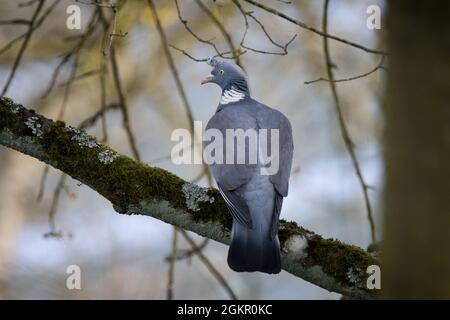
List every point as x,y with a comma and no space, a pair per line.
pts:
134,187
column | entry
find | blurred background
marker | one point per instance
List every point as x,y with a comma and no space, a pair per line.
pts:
125,256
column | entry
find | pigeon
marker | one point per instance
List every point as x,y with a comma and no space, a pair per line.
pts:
254,197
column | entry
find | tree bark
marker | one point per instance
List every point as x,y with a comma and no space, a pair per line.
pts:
417,151
137,188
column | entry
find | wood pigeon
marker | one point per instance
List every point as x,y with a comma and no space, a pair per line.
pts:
253,197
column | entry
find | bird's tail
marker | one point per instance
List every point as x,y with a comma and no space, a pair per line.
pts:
253,250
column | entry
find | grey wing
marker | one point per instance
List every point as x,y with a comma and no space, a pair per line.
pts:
281,179
276,215
237,207
273,119
229,177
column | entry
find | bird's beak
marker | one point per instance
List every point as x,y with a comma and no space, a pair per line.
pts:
207,79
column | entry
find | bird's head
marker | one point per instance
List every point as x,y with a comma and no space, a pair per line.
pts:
226,75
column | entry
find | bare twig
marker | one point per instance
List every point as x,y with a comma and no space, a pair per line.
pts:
15,21
113,32
82,76
90,121
97,4
67,88
188,253
344,131
242,44
73,53
310,28
54,206
123,103
111,51
204,59
170,277
103,107
222,30
168,156
263,28
42,183
179,84
27,3
209,265
234,53
379,66
24,47
36,25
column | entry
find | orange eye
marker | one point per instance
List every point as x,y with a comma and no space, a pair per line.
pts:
221,71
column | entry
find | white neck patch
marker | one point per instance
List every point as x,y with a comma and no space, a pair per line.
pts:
231,95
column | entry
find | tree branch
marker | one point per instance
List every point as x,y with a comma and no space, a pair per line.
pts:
136,188
24,46
343,125
303,25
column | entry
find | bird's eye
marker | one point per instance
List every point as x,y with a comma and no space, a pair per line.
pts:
221,71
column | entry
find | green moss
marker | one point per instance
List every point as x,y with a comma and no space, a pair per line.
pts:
7,103
124,181
7,107
288,229
337,259
334,257
214,212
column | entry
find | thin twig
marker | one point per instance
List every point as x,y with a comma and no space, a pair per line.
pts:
204,59
42,183
379,66
54,206
68,87
103,75
310,28
35,26
113,32
234,53
209,265
27,3
179,84
123,103
97,4
111,52
344,131
188,253
263,28
15,21
170,277
103,107
90,121
73,53
222,30
242,44
24,47
82,76
169,156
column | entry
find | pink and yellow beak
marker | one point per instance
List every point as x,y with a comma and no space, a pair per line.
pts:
207,79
